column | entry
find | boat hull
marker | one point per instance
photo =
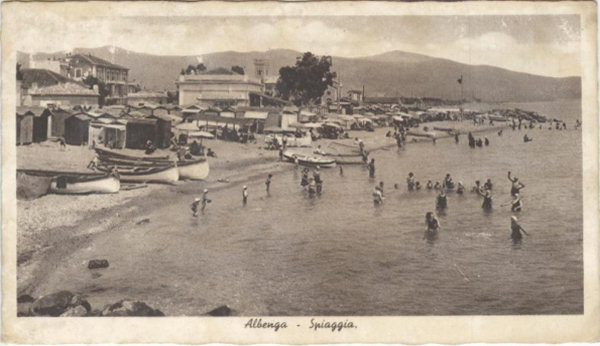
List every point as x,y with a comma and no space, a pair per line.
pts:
106,184
309,161
195,170
130,174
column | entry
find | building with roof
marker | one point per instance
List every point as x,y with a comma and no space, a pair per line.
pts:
114,76
40,87
219,90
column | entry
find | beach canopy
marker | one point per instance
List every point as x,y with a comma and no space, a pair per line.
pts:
187,127
201,134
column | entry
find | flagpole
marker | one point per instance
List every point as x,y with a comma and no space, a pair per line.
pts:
460,81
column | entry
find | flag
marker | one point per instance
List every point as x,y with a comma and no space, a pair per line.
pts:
459,80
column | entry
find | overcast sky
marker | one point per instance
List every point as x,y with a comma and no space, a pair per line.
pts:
544,45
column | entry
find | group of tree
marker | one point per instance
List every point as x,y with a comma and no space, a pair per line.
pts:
306,81
103,90
191,69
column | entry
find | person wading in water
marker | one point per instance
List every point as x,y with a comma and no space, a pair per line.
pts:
516,229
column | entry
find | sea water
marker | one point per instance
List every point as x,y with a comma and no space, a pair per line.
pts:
286,253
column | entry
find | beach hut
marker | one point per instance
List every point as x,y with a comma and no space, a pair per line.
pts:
139,131
39,127
76,129
24,127
56,124
163,131
110,134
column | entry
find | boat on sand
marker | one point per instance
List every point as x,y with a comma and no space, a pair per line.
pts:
306,160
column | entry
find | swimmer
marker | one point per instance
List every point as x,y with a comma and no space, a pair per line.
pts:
486,141
516,229
429,185
194,206
516,185
477,187
312,186
380,188
448,182
377,196
371,167
527,139
395,186
487,199
304,180
410,181
516,203
417,186
205,199
437,185
341,171
441,201
268,182
433,224
488,184
500,133
245,195
460,188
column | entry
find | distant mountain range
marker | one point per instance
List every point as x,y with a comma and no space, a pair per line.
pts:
394,73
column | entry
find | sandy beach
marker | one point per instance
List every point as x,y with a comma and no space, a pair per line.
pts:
49,228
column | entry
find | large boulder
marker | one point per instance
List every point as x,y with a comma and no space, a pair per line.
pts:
76,311
57,304
24,304
97,263
53,304
222,310
130,308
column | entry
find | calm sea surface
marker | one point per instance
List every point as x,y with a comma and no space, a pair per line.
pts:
338,254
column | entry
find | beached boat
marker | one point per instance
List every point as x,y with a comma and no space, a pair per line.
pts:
85,184
196,169
146,174
306,160
104,153
425,134
66,182
193,169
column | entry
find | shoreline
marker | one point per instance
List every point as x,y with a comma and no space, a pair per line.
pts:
46,242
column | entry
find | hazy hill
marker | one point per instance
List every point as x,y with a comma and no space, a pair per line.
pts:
389,74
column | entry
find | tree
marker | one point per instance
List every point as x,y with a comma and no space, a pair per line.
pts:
103,90
306,82
237,69
190,69
173,97
200,67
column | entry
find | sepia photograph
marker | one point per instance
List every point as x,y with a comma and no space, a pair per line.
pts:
289,165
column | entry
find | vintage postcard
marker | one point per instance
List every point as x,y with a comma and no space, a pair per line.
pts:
319,172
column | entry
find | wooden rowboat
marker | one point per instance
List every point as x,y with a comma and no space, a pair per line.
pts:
197,169
135,174
109,153
78,185
193,169
309,160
